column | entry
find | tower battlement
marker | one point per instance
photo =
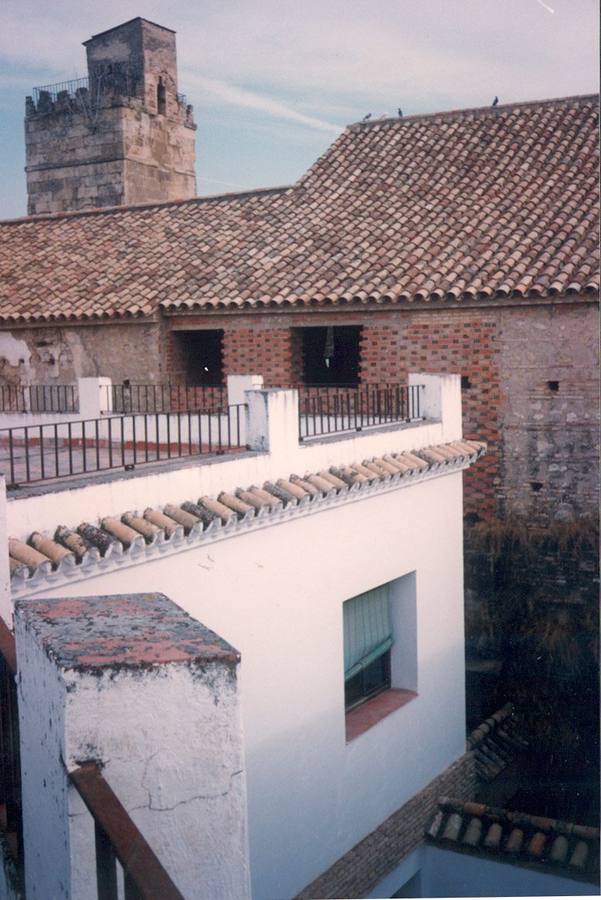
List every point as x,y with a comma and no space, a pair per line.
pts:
122,135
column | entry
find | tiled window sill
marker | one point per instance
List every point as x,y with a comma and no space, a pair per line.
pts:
364,717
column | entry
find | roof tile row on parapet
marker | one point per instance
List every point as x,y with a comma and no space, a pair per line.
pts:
516,837
496,742
466,205
73,553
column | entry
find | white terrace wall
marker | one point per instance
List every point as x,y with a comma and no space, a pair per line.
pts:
277,594
272,432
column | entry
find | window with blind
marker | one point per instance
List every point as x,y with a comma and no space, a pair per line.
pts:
368,639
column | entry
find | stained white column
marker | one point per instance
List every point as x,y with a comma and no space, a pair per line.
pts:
150,694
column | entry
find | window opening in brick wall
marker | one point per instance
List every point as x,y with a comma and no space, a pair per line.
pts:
553,386
161,98
200,356
465,383
330,355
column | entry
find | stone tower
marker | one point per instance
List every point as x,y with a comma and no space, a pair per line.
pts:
123,135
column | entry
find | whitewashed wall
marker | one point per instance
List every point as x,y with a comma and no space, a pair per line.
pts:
273,431
170,742
277,596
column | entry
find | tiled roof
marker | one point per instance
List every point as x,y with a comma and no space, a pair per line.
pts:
496,742
469,204
516,837
72,554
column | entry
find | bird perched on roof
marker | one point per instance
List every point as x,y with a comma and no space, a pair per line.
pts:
495,101
400,111
365,118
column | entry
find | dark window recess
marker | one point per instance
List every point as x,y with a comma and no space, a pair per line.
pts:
536,486
371,680
161,98
331,355
201,354
465,383
553,386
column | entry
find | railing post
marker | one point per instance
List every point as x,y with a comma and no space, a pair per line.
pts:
149,694
440,399
6,603
95,397
237,385
272,422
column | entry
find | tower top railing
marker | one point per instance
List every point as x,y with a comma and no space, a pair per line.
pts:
69,88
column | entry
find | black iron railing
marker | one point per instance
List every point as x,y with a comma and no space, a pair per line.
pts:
33,453
39,398
327,410
119,839
150,398
52,91
11,821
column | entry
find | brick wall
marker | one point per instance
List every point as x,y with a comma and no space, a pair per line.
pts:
359,870
273,353
464,343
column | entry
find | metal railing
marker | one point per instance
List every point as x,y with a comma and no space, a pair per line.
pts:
11,820
39,398
118,838
150,398
327,410
53,90
34,453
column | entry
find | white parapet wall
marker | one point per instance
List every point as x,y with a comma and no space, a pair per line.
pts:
270,428
150,695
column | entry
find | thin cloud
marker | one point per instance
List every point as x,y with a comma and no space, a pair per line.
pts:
246,99
544,6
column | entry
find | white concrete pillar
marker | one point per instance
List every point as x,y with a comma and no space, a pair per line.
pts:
151,695
95,397
6,603
237,385
272,422
441,399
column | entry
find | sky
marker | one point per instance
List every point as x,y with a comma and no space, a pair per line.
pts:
273,82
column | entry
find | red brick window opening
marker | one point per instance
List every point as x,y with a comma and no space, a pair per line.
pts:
200,354
330,354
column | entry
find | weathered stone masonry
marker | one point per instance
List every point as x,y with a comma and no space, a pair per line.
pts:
125,137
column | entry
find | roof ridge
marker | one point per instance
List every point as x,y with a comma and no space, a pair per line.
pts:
474,110
133,207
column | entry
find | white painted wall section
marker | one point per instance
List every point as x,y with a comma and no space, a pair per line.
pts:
277,595
169,739
441,399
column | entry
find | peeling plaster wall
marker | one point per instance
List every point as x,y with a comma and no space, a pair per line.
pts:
277,596
63,354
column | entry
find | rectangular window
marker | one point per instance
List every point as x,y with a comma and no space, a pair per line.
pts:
200,356
380,653
367,642
330,355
